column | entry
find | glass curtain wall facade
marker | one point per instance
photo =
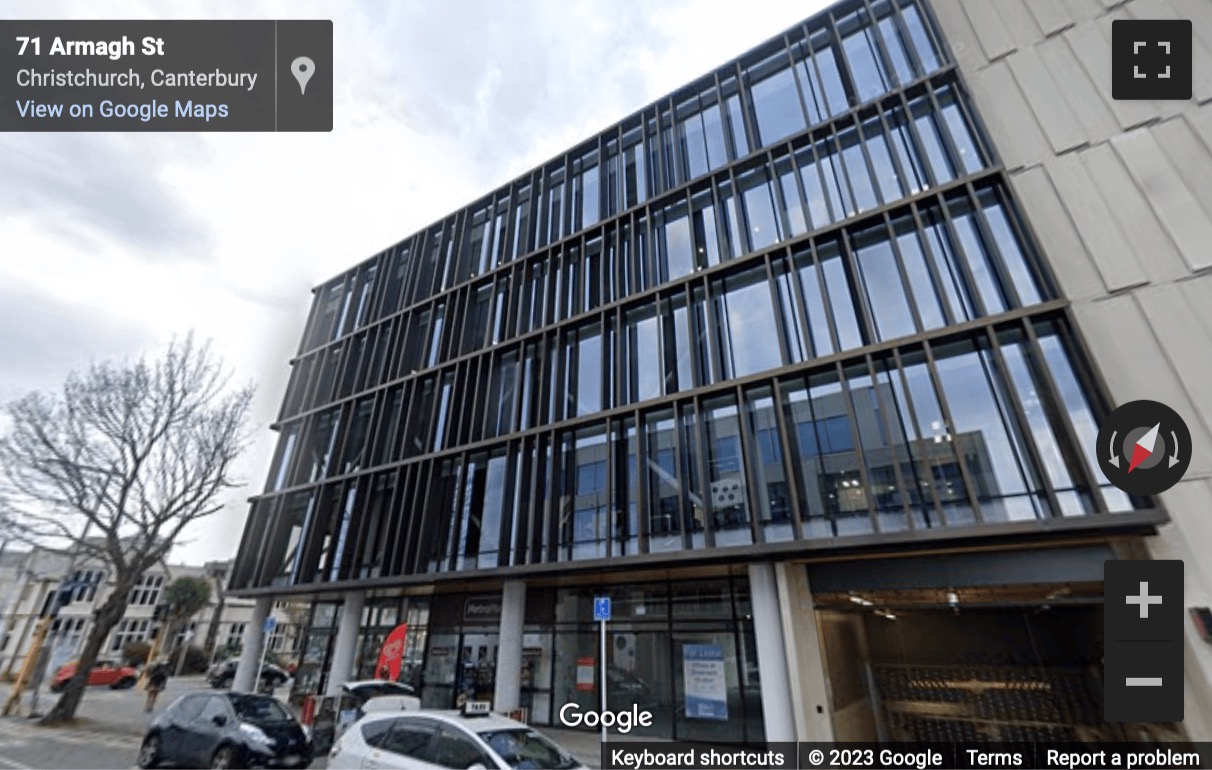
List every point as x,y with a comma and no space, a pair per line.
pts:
793,305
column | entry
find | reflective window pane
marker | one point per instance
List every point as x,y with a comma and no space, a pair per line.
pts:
866,68
1078,409
726,465
881,277
986,434
745,314
776,104
774,504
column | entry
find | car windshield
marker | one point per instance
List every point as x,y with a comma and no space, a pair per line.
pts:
528,750
259,710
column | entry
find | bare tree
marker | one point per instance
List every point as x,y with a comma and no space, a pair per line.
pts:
118,465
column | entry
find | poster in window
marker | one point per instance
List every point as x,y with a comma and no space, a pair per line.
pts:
585,677
703,678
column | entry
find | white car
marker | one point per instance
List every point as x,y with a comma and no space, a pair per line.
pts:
441,740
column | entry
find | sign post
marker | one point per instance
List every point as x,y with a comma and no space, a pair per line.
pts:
266,628
601,613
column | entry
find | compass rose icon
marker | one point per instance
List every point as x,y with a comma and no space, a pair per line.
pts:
1144,447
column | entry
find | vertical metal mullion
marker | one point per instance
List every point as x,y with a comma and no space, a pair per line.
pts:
798,299
843,63
399,549
1054,404
1033,463
898,19
997,260
1036,264
891,431
860,455
700,433
903,272
944,407
819,271
749,460
795,77
858,292
936,279
642,490
881,50
933,32
791,459
922,445
961,258
903,173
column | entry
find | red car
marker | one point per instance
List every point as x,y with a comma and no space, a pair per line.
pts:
110,672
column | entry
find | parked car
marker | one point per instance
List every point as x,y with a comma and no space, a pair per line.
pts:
363,690
107,672
366,695
229,729
434,740
221,675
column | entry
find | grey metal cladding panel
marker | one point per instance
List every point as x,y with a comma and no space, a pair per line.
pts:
1178,210
1052,17
1144,235
1185,343
1062,246
1201,123
1016,134
1201,79
1200,14
960,36
1187,504
1048,101
1123,345
1198,292
1083,96
991,30
1091,43
1188,154
1113,257
1020,24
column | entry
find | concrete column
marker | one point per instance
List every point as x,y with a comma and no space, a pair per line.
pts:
346,645
777,707
250,653
805,659
507,694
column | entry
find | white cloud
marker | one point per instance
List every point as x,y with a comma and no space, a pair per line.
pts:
116,242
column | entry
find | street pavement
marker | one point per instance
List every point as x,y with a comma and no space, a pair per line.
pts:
110,726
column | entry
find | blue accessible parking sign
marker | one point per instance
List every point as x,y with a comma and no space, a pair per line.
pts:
601,608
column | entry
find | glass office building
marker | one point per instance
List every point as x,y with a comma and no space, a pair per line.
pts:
776,362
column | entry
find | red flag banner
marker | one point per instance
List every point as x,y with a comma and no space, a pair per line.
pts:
391,656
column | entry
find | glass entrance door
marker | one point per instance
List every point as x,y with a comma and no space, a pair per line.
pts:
476,671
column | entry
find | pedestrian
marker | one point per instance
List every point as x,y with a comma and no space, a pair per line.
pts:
157,678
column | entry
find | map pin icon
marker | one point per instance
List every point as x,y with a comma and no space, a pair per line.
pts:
303,68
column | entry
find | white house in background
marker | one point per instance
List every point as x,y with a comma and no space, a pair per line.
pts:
29,580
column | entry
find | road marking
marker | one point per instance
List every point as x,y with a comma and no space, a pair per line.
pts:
13,764
1144,681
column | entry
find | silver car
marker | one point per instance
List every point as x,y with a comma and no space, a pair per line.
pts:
440,740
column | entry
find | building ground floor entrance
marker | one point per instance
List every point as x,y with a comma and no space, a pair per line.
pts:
995,652
991,645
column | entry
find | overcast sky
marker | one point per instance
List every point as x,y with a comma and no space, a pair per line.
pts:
112,243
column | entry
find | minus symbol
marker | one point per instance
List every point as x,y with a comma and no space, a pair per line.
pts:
1143,681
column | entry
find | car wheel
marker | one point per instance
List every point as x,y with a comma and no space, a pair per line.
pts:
149,752
224,757
125,683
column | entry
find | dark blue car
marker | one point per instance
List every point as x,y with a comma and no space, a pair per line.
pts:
226,730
